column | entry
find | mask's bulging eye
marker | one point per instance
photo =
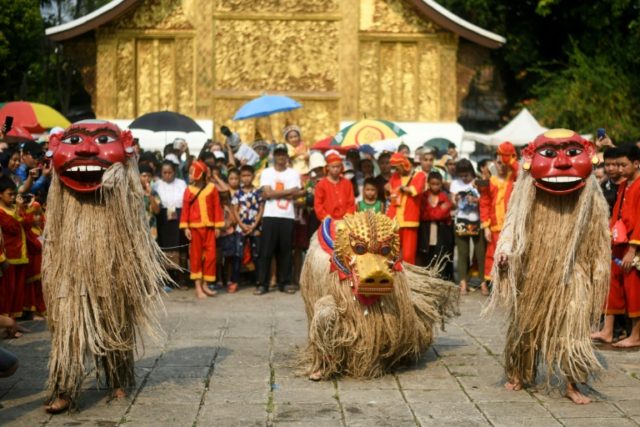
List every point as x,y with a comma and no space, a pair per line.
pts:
73,139
548,152
385,250
572,152
104,139
360,249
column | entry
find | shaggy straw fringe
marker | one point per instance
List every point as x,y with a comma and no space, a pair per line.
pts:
343,340
557,280
101,274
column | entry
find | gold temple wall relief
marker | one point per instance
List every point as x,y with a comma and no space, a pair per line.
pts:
342,59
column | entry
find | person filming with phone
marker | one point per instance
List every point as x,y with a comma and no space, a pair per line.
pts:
36,166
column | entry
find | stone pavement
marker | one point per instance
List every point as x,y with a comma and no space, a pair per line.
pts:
231,360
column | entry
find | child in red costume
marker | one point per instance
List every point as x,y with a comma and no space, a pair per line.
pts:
334,194
15,249
624,292
33,298
405,188
494,199
201,219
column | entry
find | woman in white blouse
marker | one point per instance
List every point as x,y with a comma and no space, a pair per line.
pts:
171,239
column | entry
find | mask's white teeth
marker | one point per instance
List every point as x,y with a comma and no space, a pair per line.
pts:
561,179
91,168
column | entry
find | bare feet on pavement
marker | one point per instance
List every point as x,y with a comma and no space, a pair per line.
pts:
600,336
628,342
575,395
316,376
58,405
513,385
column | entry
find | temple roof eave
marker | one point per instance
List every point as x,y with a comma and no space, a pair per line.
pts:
428,8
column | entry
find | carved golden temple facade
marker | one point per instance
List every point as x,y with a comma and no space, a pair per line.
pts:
342,59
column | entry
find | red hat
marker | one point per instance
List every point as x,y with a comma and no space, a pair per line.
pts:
508,153
332,156
399,159
198,169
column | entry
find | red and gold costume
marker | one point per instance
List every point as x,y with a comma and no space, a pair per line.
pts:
624,293
494,200
12,284
405,208
202,214
34,299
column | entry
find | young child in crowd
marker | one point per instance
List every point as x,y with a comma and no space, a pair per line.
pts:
12,284
228,241
248,208
201,219
465,197
435,245
370,200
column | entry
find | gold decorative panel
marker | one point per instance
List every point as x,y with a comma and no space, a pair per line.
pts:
392,16
448,84
429,72
106,78
254,55
125,80
282,6
185,91
369,83
156,15
408,81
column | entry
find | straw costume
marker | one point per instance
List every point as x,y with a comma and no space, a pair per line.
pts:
367,311
552,263
102,270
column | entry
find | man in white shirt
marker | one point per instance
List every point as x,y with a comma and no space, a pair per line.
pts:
280,185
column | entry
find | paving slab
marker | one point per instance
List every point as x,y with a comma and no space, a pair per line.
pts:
234,360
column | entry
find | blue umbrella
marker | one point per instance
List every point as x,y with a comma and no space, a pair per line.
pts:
265,106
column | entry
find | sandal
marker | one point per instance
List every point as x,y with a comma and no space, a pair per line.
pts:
260,291
232,288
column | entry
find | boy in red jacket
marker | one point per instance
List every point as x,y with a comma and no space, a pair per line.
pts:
333,194
435,240
201,219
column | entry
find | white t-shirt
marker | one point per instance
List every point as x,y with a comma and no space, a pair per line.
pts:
171,194
278,181
466,210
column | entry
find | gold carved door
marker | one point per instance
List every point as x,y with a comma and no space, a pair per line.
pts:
400,80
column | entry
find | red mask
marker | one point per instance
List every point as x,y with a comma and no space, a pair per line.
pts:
559,160
85,150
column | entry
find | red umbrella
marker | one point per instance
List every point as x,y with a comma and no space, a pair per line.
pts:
32,116
329,144
18,134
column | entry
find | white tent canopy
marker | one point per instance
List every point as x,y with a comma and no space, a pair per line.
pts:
520,131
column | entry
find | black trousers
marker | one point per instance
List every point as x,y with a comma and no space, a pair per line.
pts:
276,240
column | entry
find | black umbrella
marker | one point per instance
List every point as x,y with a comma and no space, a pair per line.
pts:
166,121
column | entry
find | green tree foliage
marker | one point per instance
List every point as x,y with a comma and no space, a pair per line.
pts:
588,40
21,36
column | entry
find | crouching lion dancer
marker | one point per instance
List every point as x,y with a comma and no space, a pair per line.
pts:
553,263
367,311
101,268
